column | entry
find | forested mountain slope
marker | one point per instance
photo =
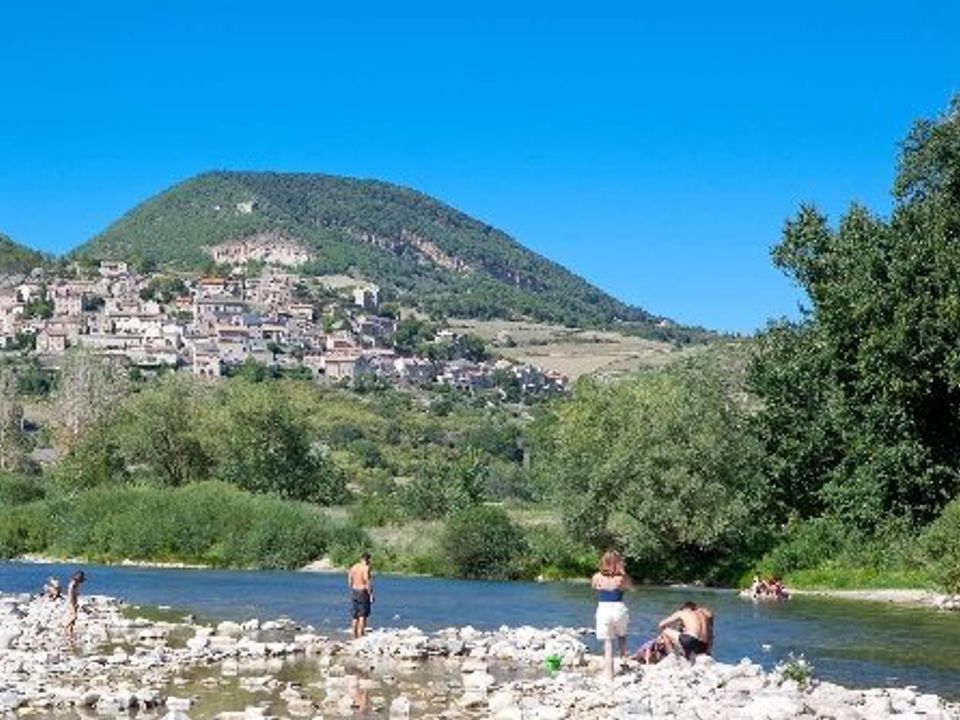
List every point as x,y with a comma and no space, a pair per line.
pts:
418,249
16,259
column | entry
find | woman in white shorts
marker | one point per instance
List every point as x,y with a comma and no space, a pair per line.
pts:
610,582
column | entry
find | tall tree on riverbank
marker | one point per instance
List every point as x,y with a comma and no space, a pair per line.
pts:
862,396
661,465
89,388
11,421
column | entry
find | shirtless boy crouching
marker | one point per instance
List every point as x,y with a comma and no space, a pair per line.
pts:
695,635
360,580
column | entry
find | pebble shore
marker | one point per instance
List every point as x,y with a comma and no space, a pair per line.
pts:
122,665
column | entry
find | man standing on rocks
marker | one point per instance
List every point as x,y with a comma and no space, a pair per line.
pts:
73,601
695,635
360,580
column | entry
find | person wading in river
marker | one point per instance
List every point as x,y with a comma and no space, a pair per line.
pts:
610,582
73,602
695,635
360,580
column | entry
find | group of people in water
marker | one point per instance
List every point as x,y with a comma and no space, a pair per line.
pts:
772,589
688,631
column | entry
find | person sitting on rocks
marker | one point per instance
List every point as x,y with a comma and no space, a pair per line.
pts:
651,652
52,590
695,634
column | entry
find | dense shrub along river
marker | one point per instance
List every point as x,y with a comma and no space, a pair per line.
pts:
851,642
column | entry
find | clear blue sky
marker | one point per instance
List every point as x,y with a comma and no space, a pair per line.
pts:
654,148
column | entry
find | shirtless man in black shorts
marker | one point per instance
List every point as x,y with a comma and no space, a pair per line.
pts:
360,580
695,635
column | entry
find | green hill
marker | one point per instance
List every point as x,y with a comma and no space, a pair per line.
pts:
419,250
16,259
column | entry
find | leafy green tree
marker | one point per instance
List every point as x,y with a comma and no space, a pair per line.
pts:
262,446
40,306
92,462
444,486
861,398
159,430
661,464
482,542
941,545
12,440
89,388
411,334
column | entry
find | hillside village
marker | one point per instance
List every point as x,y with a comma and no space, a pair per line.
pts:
256,309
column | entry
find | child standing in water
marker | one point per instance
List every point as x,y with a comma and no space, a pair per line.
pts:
73,602
610,582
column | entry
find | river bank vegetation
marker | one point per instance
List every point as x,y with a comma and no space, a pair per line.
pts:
824,450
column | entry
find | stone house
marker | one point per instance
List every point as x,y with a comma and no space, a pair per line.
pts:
113,268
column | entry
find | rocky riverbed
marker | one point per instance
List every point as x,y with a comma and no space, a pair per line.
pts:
176,668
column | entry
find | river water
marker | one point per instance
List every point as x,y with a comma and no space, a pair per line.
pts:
855,643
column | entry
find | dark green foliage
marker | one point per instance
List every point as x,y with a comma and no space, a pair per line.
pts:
466,347
941,547
24,529
19,489
446,486
163,289
34,380
808,544
39,307
497,438
24,341
412,335
207,522
382,232
482,542
92,303
552,553
509,384
267,449
159,430
861,399
92,462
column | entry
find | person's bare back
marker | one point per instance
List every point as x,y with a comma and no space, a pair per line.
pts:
360,581
694,623
358,577
695,634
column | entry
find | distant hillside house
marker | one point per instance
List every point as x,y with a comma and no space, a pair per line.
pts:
300,311
345,365
367,297
269,248
29,291
418,371
210,287
113,268
206,361
51,343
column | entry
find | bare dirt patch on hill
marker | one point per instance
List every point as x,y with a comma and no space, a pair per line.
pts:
572,351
